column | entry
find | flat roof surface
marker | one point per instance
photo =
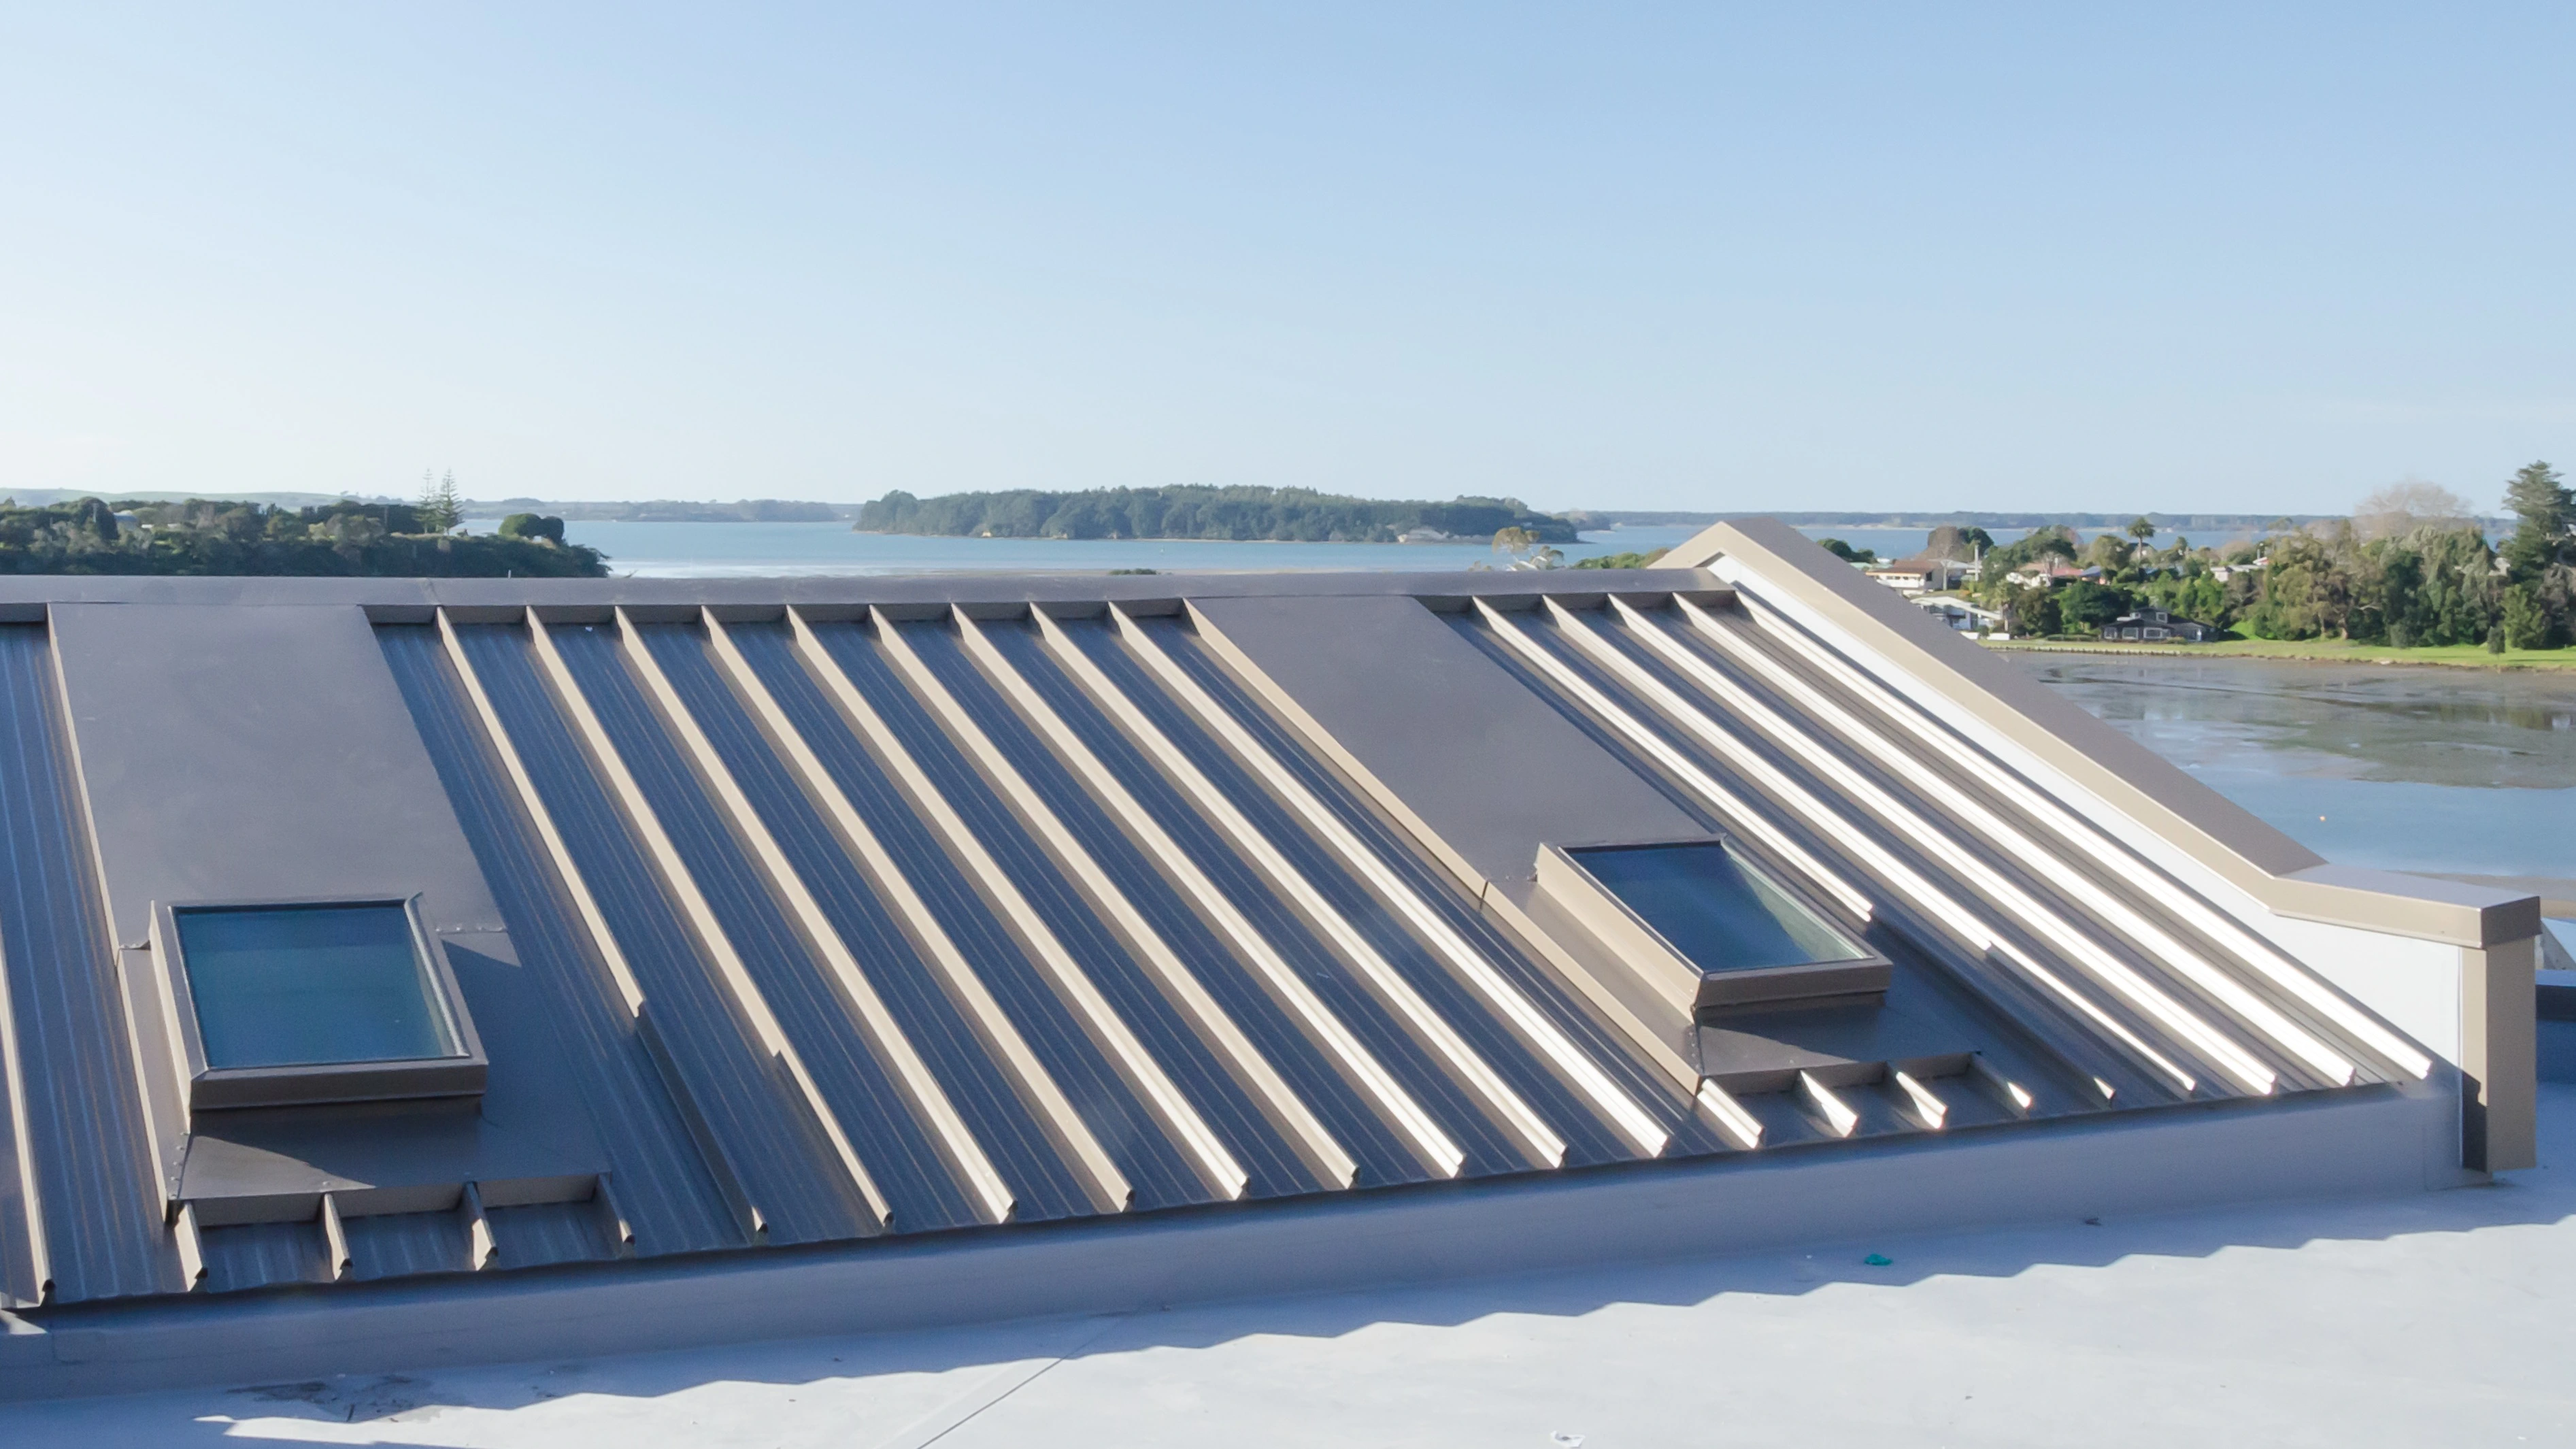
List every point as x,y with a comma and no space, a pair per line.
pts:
2435,1318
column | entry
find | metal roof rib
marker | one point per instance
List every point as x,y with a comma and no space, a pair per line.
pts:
2333,1066
1437,1149
78,1132
966,1157
875,1081
1541,1035
1294,1119
626,1090
1537,1139
1866,795
1073,1138
1373,1116
724,1084
878,866
2038,806
1861,847
1217,1166
690,897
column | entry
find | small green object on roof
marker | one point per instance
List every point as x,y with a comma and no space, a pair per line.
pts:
1878,1260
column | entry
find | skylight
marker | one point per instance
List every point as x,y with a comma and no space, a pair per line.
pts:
305,1002
310,985
1718,913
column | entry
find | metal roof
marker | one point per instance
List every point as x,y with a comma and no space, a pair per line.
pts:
893,908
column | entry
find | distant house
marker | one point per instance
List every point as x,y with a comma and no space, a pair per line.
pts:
1965,617
1919,574
2049,572
1424,534
2159,626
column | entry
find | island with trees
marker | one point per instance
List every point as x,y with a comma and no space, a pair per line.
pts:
1297,515
342,539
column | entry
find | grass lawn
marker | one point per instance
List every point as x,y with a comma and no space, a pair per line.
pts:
2343,651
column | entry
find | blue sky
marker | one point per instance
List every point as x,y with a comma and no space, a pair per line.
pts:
2225,258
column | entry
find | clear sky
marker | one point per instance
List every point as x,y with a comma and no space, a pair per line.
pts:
1804,257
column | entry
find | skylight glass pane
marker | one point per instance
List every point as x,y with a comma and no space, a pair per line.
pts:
1720,914
309,985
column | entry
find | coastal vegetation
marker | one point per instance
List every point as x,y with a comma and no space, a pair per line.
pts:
2411,567
343,539
1205,512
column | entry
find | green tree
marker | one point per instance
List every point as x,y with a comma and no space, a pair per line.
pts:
2539,497
440,508
1846,552
2086,606
2526,623
2140,529
533,526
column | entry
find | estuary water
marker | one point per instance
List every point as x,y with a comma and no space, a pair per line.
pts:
2403,768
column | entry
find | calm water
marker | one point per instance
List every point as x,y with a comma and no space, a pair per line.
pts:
2401,768
2407,768
708,550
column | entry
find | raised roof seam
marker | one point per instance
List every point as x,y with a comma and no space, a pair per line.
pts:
1912,881
683,887
1250,1068
1064,1127
2039,804
1429,1143
1955,917
712,1152
929,1103
968,1156
1981,876
38,1259
1580,1072
1537,1139
2151,938
1116,1040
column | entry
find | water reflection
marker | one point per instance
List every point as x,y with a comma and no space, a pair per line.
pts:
2404,768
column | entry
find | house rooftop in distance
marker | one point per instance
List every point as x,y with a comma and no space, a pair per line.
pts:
479,969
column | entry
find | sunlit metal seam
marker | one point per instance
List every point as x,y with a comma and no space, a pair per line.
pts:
1538,1140
2249,947
1110,1032
2230,992
1073,1138
1181,986
696,909
2105,967
892,1047
1956,918
1569,1061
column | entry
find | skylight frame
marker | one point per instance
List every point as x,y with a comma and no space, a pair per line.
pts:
1859,979
210,1088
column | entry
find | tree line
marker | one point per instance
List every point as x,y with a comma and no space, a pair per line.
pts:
2411,566
1298,515
345,539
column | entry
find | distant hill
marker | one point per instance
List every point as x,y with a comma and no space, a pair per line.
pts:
1286,514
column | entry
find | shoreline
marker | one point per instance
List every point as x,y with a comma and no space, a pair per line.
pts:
2449,656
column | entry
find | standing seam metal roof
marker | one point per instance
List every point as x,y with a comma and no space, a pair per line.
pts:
1015,828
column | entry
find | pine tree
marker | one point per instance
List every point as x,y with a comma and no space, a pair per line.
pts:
440,508
2540,497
